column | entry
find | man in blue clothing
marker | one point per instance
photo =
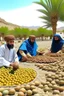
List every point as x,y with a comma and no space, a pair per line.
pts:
27,49
57,43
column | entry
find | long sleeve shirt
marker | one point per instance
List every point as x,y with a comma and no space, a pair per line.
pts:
7,56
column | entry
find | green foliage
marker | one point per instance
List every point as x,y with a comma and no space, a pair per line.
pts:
25,32
33,32
63,31
41,31
50,7
4,30
53,11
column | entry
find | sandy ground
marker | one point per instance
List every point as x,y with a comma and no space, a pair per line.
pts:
41,44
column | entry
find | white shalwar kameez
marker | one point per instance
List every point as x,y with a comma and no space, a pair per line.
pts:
7,56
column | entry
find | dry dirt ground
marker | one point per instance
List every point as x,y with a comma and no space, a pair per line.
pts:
41,44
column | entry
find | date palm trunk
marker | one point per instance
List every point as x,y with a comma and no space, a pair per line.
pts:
54,19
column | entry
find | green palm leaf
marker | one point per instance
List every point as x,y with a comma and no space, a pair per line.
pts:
53,11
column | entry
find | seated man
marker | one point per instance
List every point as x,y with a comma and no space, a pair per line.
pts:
27,49
57,43
8,56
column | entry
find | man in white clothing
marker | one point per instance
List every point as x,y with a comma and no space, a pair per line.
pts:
8,56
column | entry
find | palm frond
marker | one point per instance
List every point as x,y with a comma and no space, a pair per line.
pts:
51,8
43,4
45,18
43,11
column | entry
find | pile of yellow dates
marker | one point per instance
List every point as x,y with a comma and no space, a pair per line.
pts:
20,76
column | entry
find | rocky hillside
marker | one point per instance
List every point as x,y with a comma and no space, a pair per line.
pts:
4,23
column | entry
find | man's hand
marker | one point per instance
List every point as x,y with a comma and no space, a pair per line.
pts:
15,65
47,52
59,51
40,53
28,55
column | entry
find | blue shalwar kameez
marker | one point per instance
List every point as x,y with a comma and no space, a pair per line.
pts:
27,48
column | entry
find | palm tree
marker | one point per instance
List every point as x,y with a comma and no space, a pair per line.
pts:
53,12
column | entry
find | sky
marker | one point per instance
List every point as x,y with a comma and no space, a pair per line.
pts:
12,4
22,12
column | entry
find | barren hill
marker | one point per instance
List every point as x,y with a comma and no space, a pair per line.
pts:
4,23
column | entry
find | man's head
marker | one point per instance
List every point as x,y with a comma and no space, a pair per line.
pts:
57,38
9,40
32,38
